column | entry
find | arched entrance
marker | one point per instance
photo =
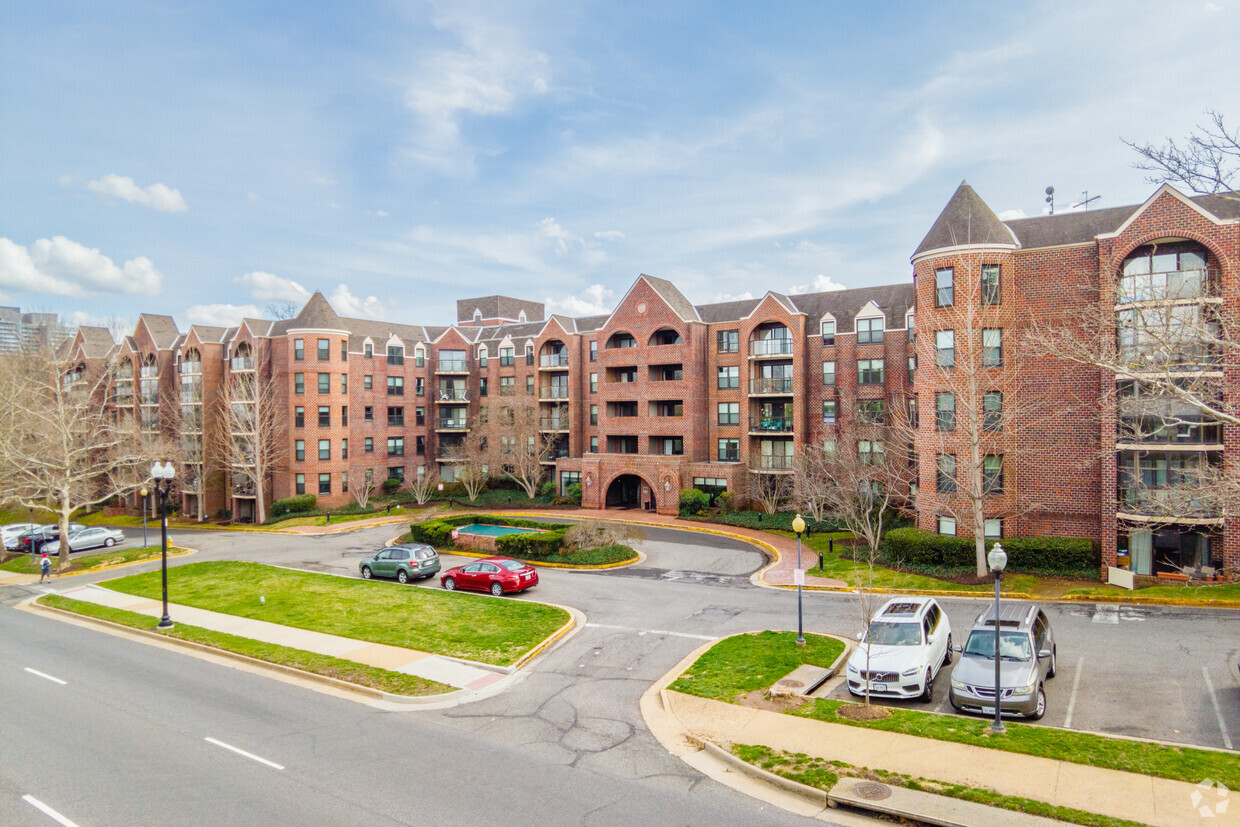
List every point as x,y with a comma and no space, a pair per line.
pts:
629,491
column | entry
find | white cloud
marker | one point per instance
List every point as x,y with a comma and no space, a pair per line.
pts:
221,315
822,284
609,235
595,300
66,179
378,213
345,303
156,196
116,325
61,267
270,287
1011,215
732,297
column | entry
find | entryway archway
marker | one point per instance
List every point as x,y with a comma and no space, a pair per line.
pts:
629,491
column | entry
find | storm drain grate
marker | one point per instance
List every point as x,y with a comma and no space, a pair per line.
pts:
871,791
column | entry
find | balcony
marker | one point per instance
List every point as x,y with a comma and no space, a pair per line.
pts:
771,386
772,464
1175,285
452,396
549,457
770,349
553,361
1167,505
770,425
553,423
450,453
553,392
452,366
244,488
451,424
239,364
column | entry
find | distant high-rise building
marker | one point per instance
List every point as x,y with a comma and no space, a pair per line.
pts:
18,329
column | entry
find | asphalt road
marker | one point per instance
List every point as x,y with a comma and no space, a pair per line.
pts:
565,743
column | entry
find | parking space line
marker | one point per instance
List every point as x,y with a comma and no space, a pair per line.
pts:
1218,712
46,676
648,631
251,756
47,811
1076,686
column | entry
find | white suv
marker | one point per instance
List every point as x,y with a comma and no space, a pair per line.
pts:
908,642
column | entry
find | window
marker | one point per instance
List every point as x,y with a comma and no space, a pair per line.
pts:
870,452
299,383
325,383
482,387
368,414
947,525
529,386
593,354
729,450
344,350
344,482
344,449
344,383
325,350
344,414
368,445
621,340
828,412
396,446
396,417
325,449
419,357
396,472
828,373
299,450
419,416
368,382
671,446
912,368
944,287
506,356
593,383
828,332
992,474
483,415
728,341
945,412
730,377
869,371
299,417
325,416
593,445
990,284
945,348
299,349
992,347
992,529
568,478
945,473
529,354
507,385
729,413
419,386
395,355
992,410
482,356
594,414
300,485
869,331
325,483
396,385
871,411
368,350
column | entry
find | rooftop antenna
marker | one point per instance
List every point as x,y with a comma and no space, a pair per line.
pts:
1050,198
1086,199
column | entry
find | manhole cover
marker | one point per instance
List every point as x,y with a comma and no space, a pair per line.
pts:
790,683
871,791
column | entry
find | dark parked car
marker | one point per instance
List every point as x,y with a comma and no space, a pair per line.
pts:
497,575
44,535
411,561
1027,657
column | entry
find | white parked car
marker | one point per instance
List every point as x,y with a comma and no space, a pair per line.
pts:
900,655
9,533
94,537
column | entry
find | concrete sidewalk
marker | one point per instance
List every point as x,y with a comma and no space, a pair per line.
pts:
672,716
450,671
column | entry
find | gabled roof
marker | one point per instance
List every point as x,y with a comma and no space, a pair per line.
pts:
966,220
676,300
208,334
163,329
498,307
95,342
316,315
894,300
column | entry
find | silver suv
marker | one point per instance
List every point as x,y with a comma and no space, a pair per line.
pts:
1027,657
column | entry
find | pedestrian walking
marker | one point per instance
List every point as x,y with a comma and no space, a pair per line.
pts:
45,568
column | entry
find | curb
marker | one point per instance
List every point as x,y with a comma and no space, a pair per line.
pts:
812,794
181,552
529,656
537,563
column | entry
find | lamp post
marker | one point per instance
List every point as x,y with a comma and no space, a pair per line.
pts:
798,525
163,475
142,492
997,558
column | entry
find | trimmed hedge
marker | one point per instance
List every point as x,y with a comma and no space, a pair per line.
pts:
294,505
693,500
540,545
916,548
438,533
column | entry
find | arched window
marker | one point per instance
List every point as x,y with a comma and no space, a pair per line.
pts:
1167,272
621,340
665,336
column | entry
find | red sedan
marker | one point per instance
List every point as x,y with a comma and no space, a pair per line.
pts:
497,575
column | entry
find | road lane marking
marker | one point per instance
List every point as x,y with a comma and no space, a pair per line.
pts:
1106,614
47,811
251,756
1218,713
1076,686
45,675
649,631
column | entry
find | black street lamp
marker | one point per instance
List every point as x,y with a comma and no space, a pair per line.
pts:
997,558
163,475
798,525
142,492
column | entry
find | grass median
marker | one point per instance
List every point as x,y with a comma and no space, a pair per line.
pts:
373,677
751,662
467,626
81,563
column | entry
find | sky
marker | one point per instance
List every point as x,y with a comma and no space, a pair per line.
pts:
209,159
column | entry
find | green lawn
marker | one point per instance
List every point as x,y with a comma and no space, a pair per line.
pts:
321,519
90,561
1161,760
447,623
396,683
749,662
1215,592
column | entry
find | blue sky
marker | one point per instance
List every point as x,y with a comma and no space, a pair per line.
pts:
206,159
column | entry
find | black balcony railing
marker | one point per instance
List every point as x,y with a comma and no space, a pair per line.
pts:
554,423
553,392
771,424
772,463
771,384
454,395
453,424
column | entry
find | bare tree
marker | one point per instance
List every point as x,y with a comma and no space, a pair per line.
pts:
361,483
59,446
471,471
769,490
281,310
252,439
1207,161
518,446
422,485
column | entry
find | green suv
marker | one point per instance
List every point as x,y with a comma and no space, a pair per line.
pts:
411,561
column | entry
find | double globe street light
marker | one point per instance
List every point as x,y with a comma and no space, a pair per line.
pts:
163,474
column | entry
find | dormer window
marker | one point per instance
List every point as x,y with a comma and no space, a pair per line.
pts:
828,332
870,331
521,317
477,316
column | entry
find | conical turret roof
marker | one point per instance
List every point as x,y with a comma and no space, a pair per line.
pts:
316,314
965,220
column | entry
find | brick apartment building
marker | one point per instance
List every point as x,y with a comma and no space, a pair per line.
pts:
662,395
